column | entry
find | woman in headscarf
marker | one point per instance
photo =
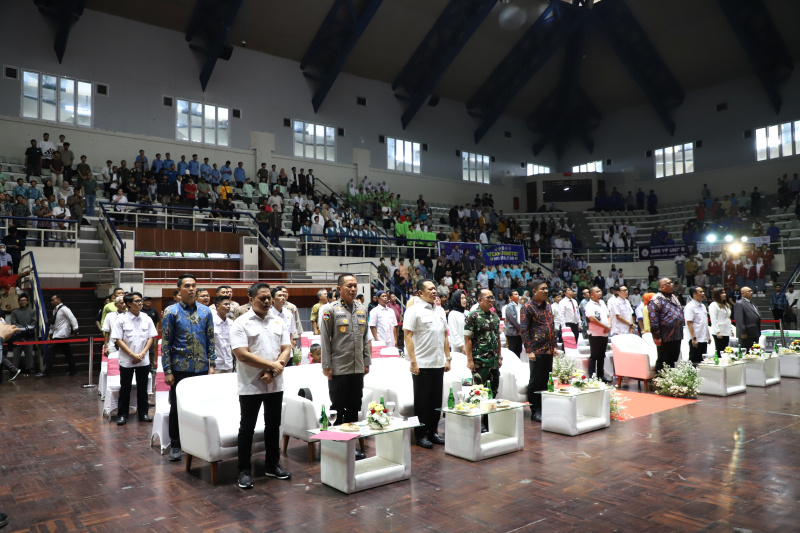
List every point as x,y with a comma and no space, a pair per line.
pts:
761,271
455,320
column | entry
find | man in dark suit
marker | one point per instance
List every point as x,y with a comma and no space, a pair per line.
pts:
748,319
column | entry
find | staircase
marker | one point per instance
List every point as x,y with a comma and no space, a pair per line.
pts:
93,254
84,305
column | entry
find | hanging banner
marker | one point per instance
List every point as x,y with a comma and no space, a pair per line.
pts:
713,247
661,252
498,254
460,248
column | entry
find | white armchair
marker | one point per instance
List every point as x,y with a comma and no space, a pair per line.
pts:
391,378
454,377
514,377
633,358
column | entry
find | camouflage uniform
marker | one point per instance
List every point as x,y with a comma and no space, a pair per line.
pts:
484,330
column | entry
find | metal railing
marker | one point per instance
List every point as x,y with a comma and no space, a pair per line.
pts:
592,254
46,236
38,300
109,231
169,275
386,283
378,247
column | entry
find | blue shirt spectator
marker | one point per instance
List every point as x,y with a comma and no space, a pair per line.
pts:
142,160
215,176
239,175
168,163
205,169
34,193
773,231
187,338
158,164
194,168
172,175
20,190
225,172
182,166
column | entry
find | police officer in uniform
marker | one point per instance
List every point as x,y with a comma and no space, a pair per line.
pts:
482,346
344,341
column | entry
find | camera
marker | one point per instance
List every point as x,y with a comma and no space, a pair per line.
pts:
25,332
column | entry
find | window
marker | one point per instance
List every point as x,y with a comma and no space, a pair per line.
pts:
594,166
202,123
537,169
778,141
674,160
475,167
314,141
402,155
56,99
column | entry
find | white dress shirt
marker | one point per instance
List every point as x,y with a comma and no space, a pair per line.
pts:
720,319
133,330
598,310
569,310
286,315
430,331
108,325
222,343
263,337
622,307
65,322
695,312
455,324
384,320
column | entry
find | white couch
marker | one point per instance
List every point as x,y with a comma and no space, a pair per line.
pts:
634,358
208,418
514,377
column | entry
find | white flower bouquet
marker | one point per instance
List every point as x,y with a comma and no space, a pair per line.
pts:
378,418
680,382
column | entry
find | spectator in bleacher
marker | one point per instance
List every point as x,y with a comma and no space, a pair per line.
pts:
773,231
20,209
56,168
205,169
193,167
142,160
67,157
239,175
652,202
755,202
190,192
120,202
76,205
83,171
630,201
182,165
33,160
48,149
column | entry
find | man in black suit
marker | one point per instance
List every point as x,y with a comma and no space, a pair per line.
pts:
748,319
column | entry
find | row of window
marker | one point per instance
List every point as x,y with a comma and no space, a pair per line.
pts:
56,99
594,166
777,141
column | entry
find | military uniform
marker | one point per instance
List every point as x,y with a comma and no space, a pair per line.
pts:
345,350
484,330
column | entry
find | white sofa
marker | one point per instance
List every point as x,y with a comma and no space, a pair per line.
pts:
391,378
634,358
514,377
208,418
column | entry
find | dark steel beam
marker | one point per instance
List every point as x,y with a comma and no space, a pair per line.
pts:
336,38
65,13
451,31
759,37
212,21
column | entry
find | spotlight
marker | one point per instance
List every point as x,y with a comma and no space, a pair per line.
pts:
744,238
729,238
735,249
711,238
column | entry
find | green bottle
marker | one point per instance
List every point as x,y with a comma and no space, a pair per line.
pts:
490,393
550,386
740,352
451,400
716,357
382,402
323,420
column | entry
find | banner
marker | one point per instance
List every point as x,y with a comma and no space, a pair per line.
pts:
713,247
498,254
661,252
470,248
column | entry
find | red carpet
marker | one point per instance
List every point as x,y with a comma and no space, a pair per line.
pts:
639,404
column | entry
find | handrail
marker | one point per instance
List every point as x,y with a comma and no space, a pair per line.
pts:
110,223
74,226
265,242
317,180
292,276
382,278
44,324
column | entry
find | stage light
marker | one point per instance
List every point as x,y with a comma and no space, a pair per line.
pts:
729,238
711,238
744,238
735,248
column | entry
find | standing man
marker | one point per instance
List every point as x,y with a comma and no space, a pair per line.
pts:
747,318
344,338
262,345
297,330
133,333
599,326
622,320
383,322
511,315
666,324
570,311
539,336
696,316
156,318
21,317
187,349
482,346
64,326
322,299
778,303
222,330
280,309
428,350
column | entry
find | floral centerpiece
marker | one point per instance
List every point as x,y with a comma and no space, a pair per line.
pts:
680,382
563,368
795,345
729,352
579,381
756,351
476,393
378,418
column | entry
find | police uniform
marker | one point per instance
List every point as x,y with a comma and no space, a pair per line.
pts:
484,330
345,350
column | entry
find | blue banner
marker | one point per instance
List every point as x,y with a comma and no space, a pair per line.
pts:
470,248
503,253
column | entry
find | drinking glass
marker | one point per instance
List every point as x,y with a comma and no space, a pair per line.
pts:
332,417
390,407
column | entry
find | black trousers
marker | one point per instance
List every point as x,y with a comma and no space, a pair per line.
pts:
720,343
345,392
575,330
125,381
752,337
540,373
428,387
249,405
597,356
174,430
696,354
514,344
64,348
668,354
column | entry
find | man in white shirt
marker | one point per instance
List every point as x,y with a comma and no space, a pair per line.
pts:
383,321
133,333
599,326
696,317
570,311
274,200
48,149
108,325
222,329
636,298
262,345
428,350
621,314
448,279
483,279
391,267
64,326
280,309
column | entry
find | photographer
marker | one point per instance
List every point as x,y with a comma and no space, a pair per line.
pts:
24,317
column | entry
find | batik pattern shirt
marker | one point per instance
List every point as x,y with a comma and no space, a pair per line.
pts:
187,338
666,317
538,328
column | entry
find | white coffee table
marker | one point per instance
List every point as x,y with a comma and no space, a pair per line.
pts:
762,372
392,461
463,437
577,411
790,365
724,379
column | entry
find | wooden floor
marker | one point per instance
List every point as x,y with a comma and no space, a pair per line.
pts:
716,465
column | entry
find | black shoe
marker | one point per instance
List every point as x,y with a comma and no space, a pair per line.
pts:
175,454
122,420
484,429
145,418
424,443
16,374
536,416
3,519
275,471
42,375
436,439
245,481
360,455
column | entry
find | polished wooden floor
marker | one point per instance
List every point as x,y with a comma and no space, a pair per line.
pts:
721,464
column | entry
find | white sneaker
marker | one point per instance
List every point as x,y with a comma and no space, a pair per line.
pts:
16,374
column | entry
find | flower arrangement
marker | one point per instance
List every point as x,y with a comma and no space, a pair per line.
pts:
756,350
476,393
795,345
563,368
378,418
730,352
680,382
618,406
579,381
